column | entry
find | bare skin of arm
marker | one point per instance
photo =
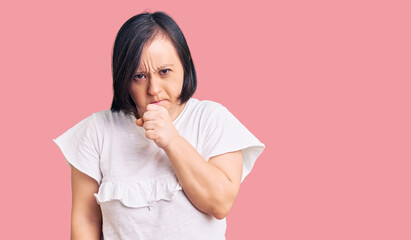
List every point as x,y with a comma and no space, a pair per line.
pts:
212,186
86,220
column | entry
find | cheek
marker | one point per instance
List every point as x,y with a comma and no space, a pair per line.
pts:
177,86
180,81
137,94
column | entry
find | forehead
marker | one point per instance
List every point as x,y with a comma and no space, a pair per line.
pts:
158,52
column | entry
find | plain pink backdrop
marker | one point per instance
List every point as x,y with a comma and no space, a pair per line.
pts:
324,84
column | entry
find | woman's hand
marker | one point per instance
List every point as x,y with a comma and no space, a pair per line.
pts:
212,186
158,125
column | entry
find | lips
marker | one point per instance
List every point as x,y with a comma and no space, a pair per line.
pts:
157,102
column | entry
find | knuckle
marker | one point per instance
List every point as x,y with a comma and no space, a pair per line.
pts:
145,116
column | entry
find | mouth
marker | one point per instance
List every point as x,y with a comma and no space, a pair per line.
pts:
157,102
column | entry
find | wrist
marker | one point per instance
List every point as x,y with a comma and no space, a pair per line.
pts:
173,143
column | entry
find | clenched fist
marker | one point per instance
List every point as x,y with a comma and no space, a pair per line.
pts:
158,125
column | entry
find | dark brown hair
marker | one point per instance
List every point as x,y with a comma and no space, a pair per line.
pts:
127,50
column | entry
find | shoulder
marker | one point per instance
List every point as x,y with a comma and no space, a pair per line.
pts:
206,107
199,114
111,122
207,114
108,116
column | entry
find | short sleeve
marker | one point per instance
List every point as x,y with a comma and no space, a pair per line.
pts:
80,147
225,133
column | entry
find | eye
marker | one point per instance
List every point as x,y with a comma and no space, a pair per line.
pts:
139,77
165,71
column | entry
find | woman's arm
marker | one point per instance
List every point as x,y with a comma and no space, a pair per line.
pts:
211,186
86,222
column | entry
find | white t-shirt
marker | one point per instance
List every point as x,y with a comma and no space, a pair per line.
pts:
139,194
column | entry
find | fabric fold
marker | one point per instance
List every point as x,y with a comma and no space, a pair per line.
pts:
135,193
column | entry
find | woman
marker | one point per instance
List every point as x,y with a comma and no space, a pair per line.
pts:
159,164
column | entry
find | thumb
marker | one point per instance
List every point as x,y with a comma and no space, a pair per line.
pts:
139,122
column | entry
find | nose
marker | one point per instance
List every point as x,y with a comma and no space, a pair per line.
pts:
154,87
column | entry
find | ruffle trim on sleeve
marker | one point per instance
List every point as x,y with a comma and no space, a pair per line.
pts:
135,193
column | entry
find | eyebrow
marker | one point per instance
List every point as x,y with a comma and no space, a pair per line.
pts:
164,66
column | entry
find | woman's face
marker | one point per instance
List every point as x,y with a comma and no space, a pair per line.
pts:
159,78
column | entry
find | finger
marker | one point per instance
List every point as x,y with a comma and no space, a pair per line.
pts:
140,122
150,115
151,134
153,107
149,125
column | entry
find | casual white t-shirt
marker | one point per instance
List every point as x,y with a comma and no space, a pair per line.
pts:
139,194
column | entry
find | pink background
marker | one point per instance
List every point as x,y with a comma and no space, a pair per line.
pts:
324,84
